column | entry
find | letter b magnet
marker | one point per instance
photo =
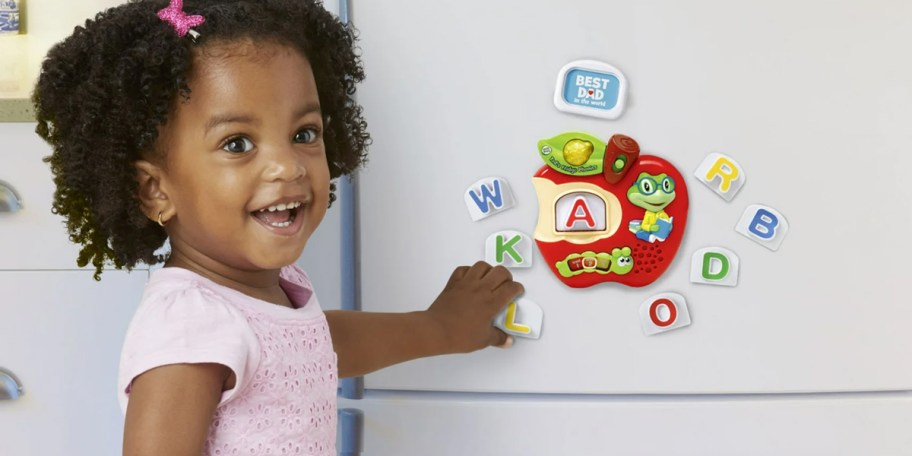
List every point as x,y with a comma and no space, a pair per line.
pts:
763,225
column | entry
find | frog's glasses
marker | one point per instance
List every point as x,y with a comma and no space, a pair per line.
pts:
648,185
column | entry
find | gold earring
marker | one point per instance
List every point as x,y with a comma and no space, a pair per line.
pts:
160,220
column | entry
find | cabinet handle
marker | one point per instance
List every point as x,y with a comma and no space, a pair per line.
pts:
10,388
9,200
351,427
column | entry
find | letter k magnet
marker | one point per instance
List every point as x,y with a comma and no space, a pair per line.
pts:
511,249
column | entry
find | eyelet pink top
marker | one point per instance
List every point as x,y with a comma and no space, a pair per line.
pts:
284,402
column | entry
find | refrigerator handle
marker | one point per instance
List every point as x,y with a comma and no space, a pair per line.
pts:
351,430
351,388
10,387
9,199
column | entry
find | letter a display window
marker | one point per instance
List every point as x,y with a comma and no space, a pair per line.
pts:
580,211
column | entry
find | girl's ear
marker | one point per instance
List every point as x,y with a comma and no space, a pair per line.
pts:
152,195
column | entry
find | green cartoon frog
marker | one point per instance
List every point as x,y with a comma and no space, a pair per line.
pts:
654,194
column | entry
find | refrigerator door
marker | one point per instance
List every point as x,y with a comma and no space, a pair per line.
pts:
811,100
413,425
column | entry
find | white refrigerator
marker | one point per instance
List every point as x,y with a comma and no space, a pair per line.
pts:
808,353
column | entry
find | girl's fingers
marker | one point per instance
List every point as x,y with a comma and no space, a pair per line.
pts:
457,275
508,291
497,276
500,339
478,270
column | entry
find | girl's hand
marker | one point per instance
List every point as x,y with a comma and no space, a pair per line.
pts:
459,321
466,307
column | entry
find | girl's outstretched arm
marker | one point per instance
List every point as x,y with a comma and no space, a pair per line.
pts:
459,321
171,407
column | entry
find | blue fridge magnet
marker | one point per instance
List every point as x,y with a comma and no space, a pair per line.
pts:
591,88
9,17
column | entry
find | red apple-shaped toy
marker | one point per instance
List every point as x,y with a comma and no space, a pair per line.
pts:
607,213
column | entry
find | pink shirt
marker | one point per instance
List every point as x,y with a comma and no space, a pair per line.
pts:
284,401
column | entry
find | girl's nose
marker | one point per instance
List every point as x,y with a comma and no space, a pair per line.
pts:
284,164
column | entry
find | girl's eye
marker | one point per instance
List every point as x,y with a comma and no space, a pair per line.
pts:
238,145
306,136
668,185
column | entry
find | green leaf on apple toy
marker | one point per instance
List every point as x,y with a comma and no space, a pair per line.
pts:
573,153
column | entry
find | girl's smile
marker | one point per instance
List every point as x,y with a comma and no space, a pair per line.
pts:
281,218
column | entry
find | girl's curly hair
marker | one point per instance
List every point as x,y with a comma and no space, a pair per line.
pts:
105,91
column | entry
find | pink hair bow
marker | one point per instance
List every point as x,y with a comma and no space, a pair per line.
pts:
174,14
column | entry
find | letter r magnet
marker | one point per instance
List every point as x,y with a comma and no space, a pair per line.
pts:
721,174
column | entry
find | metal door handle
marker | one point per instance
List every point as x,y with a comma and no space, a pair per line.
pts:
9,200
10,388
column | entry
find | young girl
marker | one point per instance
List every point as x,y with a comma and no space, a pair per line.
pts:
218,125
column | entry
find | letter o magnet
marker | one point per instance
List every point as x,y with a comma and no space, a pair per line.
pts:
654,312
664,312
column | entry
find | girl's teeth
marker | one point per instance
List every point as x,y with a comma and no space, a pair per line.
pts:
282,207
281,224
